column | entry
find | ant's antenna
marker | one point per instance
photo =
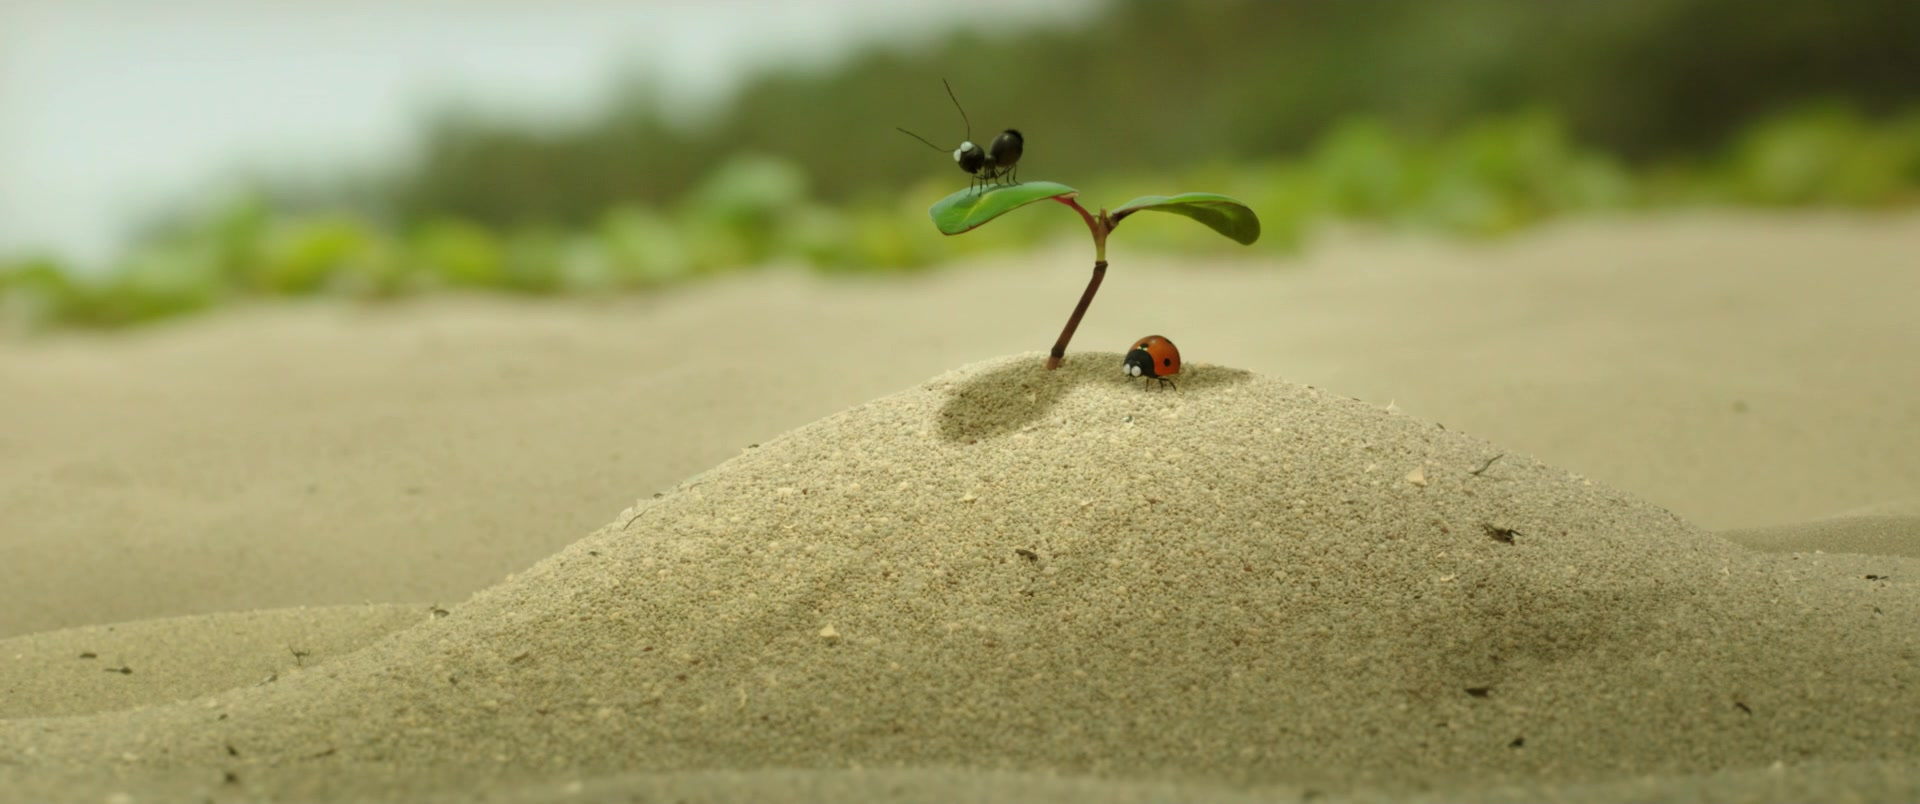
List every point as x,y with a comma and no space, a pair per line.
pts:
920,138
956,105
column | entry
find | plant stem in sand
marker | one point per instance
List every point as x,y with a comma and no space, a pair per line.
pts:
1099,225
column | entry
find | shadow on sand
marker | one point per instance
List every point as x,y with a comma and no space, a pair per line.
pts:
1010,396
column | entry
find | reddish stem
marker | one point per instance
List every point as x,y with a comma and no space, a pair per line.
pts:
1099,225
1073,322
1070,200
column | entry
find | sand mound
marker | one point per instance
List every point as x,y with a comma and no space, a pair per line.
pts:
1892,529
1241,582
319,454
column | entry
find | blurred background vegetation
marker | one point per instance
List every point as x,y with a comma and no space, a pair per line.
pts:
1467,117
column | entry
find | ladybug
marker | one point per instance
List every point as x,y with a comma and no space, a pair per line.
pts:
1153,356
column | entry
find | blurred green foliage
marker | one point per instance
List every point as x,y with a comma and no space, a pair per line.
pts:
1468,117
1827,154
1489,179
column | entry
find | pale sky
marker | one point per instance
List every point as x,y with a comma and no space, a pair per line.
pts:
111,110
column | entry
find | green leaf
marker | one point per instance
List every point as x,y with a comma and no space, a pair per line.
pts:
1222,214
967,209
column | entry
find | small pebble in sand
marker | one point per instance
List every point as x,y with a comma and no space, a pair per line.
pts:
1418,476
828,633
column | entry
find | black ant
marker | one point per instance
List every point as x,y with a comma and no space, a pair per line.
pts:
1000,159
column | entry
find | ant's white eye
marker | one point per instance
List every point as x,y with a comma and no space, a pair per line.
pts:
964,147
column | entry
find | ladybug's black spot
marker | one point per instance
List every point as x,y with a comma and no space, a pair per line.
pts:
1166,361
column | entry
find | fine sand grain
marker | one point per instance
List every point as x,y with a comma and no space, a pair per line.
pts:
1008,575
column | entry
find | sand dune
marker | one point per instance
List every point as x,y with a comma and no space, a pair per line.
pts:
1083,591
1889,529
1244,581
100,668
329,455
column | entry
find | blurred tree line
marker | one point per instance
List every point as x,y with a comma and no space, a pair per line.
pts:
1153,85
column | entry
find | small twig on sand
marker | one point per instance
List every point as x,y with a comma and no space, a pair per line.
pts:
636,518
1488,465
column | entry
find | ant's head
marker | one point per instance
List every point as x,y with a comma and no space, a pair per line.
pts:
969,157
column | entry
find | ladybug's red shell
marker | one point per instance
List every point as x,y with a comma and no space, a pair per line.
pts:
1152,356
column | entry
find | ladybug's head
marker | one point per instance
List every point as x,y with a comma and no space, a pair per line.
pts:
1138,363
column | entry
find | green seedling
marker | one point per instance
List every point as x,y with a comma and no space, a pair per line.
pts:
971,208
